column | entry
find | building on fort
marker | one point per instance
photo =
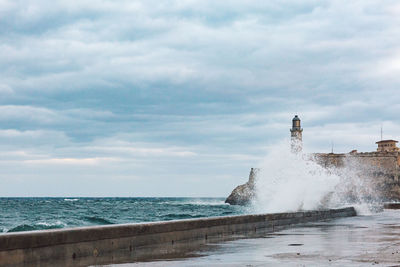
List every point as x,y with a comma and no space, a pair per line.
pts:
387,146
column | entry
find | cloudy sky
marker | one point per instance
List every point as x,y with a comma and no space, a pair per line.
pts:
182,97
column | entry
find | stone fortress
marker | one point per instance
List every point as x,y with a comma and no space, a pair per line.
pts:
386,158
379,170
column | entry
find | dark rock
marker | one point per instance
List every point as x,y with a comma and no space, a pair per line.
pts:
244,194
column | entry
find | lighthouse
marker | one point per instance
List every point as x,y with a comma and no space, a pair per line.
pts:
296,135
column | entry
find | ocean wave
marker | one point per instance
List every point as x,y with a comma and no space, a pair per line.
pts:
207,203
97,220
26,214
174,216
195,203
37,226
59,224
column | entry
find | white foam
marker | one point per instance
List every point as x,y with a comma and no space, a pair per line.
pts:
293,182
48,224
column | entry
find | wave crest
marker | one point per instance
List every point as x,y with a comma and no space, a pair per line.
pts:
38,226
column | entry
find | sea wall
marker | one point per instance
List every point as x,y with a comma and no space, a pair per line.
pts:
145,241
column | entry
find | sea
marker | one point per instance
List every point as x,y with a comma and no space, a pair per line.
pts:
28,214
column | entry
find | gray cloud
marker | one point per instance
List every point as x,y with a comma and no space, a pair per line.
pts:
186,91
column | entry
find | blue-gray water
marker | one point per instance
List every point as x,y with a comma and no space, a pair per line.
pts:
26,214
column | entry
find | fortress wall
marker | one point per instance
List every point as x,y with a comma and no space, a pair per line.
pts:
145,241
380,171
372,161
381,161
330,160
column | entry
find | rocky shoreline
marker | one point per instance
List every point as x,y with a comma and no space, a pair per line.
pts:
244,194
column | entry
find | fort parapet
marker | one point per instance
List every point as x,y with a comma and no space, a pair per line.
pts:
387,162
384,167
379,171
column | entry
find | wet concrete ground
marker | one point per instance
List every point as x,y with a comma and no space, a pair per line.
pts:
355,241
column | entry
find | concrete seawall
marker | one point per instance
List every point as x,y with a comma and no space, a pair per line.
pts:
134,242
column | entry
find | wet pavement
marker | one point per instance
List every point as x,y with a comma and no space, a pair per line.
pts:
355,241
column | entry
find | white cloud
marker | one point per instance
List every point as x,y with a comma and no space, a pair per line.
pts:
12,137
28,113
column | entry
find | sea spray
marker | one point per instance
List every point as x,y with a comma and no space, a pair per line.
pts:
298,181
291,181
358,186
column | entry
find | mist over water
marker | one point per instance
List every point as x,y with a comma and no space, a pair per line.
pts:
290,181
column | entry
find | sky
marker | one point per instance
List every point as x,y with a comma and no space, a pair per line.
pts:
181,98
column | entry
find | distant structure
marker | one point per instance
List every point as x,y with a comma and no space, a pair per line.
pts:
379,171
387,146
385,159
296,134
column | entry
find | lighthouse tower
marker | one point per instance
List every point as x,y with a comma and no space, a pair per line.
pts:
296,135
